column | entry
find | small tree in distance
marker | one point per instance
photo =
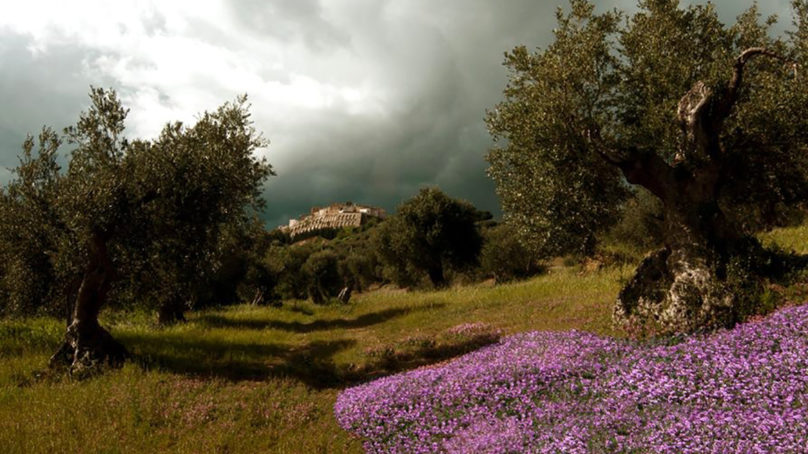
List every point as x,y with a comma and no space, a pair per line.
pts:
430,233
322,276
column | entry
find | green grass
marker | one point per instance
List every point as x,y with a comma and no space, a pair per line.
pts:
790,239
247,379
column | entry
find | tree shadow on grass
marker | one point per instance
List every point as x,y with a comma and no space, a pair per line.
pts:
218,321
311,363
301,310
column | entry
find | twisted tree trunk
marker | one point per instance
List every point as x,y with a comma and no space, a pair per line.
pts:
87,344
687,286
436,275
171,311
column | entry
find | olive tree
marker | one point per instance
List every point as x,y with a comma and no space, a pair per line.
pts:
137,216
208,182
710,119
430,233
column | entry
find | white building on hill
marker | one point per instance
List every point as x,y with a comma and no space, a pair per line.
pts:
334,216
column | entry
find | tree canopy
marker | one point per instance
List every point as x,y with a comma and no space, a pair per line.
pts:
430,233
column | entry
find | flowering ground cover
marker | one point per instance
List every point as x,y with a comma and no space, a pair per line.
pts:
741,390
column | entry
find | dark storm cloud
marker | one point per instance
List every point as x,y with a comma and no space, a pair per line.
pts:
443,66
36,90
446,66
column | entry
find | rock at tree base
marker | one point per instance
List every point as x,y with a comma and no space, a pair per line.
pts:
673,291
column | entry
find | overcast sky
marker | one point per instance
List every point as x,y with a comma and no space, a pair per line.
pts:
362,100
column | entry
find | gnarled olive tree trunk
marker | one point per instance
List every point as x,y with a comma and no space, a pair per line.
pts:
687,285
87,344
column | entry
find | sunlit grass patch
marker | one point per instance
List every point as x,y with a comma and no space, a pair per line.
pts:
132,410
790,239
19,337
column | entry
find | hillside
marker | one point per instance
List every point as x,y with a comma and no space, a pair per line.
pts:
249,379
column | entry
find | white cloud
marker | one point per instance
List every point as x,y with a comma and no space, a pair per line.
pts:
168,63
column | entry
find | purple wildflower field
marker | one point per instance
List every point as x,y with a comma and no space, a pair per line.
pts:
740,390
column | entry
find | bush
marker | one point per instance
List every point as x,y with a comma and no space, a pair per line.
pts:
393,266
639,229
357,270
504,257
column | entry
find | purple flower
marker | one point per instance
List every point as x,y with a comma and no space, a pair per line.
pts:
742,390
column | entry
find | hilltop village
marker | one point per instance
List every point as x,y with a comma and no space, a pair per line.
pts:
334,216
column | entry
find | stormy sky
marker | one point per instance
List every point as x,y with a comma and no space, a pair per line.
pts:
362,100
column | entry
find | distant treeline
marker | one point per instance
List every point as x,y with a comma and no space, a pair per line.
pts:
432,241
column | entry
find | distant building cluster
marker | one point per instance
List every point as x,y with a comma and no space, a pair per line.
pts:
334,216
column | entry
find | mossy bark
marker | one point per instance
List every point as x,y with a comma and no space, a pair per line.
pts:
688,285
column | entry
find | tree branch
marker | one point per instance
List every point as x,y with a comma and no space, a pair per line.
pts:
609,154
693,112
702,111
641,167
650,171
731,93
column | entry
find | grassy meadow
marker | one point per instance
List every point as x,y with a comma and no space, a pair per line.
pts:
262,379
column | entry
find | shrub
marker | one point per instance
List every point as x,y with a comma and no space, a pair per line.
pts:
504,257
640,224
285,263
